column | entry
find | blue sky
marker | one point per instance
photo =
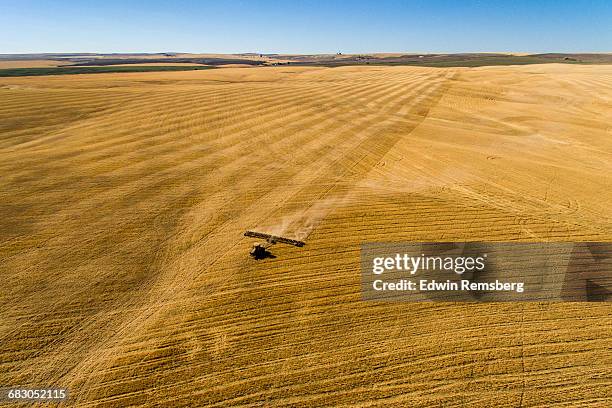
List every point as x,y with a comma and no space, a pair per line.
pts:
294,26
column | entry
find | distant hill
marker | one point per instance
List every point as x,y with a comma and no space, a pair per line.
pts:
255,59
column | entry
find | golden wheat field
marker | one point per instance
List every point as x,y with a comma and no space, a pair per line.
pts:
31,63
126,278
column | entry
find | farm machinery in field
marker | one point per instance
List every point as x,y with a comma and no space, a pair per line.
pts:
260,249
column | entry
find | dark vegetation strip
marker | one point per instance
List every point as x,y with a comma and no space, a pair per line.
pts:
83,62
443,62
16,72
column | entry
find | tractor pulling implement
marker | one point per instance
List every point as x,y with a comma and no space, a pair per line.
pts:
260,249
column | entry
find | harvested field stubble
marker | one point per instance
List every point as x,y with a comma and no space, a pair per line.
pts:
125,276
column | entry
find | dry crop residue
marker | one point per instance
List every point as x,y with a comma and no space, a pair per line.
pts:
125,276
